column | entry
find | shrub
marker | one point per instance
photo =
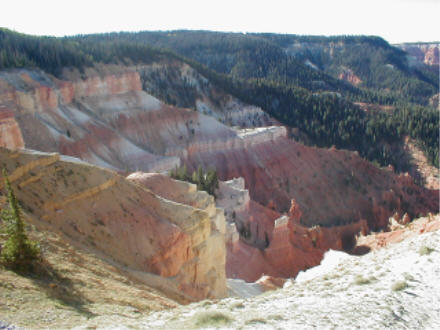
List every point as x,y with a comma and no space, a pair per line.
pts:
399,285
18,252
211,319
425,250
360,280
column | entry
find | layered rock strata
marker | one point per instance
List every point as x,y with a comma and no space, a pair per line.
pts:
332,187
182,86
107,119
423,53
166,244
291,248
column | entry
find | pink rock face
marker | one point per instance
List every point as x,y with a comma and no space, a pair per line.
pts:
207,257
349,76
331,187
293,247
10,134
75,117
295,211
108,120
423,53
173,247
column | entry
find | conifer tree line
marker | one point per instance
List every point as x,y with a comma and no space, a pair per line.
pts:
258,69
205,180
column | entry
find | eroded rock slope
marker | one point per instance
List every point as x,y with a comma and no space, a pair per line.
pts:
167,245
107,117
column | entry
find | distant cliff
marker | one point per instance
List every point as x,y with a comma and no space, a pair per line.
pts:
422,53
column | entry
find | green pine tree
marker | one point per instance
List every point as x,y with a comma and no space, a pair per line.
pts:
18,252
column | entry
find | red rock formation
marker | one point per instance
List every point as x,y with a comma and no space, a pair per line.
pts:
10,134
108,120
295,212
292,248
349,76
268,283
331,186
423,53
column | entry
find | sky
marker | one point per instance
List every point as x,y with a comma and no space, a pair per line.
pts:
394,20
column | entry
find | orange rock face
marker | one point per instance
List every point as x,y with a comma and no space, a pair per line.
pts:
349,76
10,134
107,119
331,187
423,53
292,248
176,248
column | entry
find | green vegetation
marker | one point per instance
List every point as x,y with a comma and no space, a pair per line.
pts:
269,71
211,319
425,250
360,280
329,119
380,66
386,76
54,54
18,252
399,286
206,181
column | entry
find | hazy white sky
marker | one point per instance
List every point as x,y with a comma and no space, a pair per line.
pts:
394,20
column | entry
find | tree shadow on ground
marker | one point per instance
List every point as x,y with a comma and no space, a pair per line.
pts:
58,287
350,246
360,250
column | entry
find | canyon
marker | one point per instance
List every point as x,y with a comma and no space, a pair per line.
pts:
422,53
288,199
318,156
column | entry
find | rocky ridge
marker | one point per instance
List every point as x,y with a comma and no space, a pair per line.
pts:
166,244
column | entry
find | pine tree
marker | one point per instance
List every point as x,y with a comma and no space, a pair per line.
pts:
18,252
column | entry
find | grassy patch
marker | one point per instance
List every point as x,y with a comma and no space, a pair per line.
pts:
276,317
425,250
238,305
256,321
360,280
211,319
399,286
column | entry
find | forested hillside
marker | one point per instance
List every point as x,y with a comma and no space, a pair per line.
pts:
263,70
307,61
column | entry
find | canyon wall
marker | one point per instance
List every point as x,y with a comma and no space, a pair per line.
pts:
349,76
291,248
10,133
180,85
422,53
107,118
332,187
261,241
166,244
